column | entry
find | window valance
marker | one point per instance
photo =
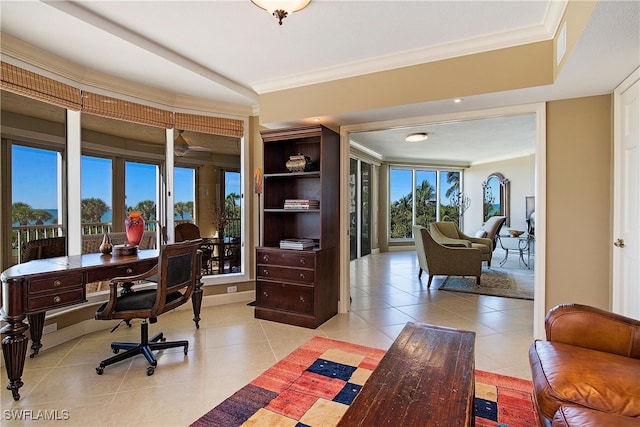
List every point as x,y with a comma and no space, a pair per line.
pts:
26,83
114,108
209,124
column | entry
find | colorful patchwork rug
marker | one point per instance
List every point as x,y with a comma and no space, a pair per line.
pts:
316,383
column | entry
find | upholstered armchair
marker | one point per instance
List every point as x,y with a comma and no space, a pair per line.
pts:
447,233
491,228
439,260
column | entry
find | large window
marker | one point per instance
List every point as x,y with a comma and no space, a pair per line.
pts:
97,194
415,195
232,206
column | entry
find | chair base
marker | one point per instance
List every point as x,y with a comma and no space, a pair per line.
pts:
146,347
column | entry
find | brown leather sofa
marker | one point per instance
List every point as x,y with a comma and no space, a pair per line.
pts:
587,372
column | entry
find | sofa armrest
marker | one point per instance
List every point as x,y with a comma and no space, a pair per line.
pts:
593,328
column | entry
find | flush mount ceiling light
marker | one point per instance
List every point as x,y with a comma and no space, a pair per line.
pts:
416,137
281,8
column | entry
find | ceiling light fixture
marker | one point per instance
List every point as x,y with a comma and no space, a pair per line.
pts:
457,100
281,8
416,137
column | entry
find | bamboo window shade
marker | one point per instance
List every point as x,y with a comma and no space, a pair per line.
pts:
23,82
26,83
209,124
114,108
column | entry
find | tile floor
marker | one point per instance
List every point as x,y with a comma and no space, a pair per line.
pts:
231,348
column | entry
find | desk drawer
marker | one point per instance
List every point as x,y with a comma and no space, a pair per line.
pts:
296,275
55,284
54,299
281,296
125,270
287,258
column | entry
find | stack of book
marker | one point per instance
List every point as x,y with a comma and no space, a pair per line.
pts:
301,204
298,244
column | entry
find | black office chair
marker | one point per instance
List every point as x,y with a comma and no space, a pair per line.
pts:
177,272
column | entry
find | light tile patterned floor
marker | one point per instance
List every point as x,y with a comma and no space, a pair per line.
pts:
232,347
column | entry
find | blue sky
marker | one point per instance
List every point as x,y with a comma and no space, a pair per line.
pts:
34,183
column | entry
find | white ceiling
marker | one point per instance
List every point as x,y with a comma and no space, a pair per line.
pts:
231,51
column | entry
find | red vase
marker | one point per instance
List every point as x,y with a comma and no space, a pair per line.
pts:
134,227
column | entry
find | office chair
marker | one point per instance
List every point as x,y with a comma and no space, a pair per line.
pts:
178,270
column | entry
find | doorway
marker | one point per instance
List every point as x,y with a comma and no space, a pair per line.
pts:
538,110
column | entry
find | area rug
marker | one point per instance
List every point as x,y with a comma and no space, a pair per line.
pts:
315,384
495,282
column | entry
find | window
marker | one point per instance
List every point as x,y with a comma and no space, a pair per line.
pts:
422,196
141,193
232,207
184,191
97,194
401,203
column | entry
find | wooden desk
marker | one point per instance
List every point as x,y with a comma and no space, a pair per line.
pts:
32,288
425,379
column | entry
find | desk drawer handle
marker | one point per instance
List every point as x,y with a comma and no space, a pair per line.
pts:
57,283
303,261
302,275
266,294
266,272
57,299
265,258
129,270
301,298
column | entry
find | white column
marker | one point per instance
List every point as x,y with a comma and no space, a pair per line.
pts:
73,181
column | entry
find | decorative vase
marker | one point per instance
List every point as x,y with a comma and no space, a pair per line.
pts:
134,227
106,246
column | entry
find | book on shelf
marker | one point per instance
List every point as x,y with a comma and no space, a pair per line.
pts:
297,243
301,204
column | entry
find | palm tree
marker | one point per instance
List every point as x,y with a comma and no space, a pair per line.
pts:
147,208
41,215
92,210
453,178
180,209
21,213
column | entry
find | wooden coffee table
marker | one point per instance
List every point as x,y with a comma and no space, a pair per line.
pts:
425,379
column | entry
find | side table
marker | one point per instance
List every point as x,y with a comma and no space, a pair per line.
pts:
521,244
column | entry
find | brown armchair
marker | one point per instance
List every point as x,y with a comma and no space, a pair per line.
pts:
587,371
447,233
187,231
439,260
177,272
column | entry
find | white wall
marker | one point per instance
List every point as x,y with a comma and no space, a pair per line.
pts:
521,175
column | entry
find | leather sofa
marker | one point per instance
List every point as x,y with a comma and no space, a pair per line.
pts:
587,371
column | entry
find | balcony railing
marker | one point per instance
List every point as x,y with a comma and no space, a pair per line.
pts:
22,234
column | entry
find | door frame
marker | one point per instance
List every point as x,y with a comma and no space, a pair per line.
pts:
620,289
539,109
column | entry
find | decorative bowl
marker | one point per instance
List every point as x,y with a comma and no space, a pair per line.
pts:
515,233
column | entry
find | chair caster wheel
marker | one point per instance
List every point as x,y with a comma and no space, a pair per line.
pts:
150,370
99,370
115,350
